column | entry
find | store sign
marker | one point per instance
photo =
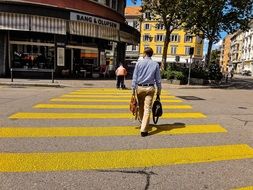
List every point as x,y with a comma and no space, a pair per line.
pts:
93,20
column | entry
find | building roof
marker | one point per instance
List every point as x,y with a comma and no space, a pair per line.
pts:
133,11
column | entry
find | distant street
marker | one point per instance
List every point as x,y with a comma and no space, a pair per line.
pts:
84,137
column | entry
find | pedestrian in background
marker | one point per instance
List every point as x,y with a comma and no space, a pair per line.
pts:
121,72
146,75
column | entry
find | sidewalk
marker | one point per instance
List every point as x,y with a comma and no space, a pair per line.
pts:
101,83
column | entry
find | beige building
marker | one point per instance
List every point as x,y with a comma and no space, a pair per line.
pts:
236,51
225,61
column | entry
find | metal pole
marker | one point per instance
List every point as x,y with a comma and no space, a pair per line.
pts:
52,76
11,75
189,75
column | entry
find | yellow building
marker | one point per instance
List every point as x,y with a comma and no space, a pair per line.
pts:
153,35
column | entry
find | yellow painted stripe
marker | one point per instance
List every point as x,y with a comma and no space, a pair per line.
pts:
7,132
32,115
71,161
101,100
245,188
104,96
78,106
106,93
109,90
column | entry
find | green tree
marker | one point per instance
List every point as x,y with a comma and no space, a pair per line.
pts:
210,17
170,13
215,55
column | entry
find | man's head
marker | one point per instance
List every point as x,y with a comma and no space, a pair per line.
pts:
148,51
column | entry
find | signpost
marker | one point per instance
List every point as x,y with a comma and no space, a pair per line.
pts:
191,52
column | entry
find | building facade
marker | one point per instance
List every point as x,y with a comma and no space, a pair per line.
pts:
133,15
225,58
153,35
247,49
236,51
73,39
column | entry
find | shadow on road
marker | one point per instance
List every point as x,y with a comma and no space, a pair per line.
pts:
165,127
237,83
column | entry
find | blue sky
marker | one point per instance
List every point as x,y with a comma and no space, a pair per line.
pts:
215,46
129,3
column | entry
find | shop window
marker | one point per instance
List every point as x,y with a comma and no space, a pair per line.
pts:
32,56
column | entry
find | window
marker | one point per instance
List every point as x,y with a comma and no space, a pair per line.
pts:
199,51
134,48
188,38
147,26
174,38
147,15
159,49
173,50
146,38
135,24
108,3
128,48
114,4
187,50
159,38
160,26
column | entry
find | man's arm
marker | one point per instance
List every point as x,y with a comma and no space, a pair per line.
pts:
134,79
158,80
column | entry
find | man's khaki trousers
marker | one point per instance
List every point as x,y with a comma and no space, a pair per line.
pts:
145,95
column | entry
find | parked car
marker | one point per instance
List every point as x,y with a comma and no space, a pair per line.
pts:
246,73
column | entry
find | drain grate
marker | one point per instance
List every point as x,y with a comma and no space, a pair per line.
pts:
190,98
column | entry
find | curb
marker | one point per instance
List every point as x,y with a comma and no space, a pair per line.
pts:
32,84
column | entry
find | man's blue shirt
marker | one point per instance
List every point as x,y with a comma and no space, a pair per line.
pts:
146,71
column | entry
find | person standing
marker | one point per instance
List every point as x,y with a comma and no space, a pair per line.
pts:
146,75
121,72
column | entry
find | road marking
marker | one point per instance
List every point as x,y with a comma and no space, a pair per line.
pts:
71,161
109,90
33,115
103,100
78,106
7,132
105,93
245,188
104,96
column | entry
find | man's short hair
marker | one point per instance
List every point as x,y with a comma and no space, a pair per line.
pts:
148,51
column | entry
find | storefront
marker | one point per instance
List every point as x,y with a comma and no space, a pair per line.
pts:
73,44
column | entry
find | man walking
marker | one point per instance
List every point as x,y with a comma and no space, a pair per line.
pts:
120,74
146,75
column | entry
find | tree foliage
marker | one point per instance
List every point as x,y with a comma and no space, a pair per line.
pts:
210,18
170,13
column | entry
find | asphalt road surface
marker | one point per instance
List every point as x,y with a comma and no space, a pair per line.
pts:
86,138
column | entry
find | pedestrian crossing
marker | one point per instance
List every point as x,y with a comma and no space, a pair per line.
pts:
103,99
120,159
